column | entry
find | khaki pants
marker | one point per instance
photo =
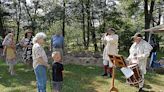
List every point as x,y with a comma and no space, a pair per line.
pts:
142,83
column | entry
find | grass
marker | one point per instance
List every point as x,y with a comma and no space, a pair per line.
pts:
76,79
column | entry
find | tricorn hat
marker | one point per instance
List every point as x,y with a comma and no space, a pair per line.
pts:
137,35
111,29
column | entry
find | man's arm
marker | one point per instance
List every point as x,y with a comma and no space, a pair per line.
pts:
147,50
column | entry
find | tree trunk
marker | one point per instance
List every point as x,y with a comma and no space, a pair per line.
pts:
94,37
88,23
18,22
93,32
2,31
18,30
63,29
31,19
83,24
148,15
104,17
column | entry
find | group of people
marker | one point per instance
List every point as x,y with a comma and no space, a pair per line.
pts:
139,53
35,55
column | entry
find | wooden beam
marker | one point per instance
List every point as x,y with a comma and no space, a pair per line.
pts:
155,29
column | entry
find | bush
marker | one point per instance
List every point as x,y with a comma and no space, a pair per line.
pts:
125,40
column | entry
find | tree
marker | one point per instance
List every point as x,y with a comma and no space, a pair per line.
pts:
64,17
148,15
17,6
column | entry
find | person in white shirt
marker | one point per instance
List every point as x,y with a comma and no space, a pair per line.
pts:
139,52
40,61
110,40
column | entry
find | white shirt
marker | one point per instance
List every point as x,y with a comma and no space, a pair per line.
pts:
141,51
111,45
37,52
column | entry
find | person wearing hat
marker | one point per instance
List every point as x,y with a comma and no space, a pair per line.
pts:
27,44
139,51
110,40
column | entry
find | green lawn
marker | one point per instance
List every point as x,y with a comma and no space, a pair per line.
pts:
76,79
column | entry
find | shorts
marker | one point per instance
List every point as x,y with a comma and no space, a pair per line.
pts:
57,86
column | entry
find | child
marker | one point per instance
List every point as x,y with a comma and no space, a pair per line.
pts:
57,74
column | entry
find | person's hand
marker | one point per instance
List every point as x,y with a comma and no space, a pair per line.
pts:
114,66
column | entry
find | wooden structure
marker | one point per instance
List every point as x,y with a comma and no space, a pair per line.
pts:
118,61
156,29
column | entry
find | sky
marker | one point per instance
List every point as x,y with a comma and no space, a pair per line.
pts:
28,1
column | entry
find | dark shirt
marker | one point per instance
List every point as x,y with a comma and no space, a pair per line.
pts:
57,74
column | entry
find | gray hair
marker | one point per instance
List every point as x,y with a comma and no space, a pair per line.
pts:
40,35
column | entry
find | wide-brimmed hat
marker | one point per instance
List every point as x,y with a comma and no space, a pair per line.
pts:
111,29
28,31
137,35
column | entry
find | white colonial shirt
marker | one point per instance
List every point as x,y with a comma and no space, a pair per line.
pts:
111,45
141,52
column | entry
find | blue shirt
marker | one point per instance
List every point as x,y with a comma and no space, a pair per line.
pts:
57,41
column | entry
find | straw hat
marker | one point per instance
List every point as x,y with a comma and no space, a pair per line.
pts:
28,31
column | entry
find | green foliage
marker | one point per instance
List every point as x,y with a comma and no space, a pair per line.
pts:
125,40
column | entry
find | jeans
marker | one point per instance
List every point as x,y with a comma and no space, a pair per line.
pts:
40,73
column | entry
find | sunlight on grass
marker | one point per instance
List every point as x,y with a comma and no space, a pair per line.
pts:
76,79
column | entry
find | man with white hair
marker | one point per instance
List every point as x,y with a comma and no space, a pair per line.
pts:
40,61
139,52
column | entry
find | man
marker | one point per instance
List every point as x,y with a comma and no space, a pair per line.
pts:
140,51
110,40
57,43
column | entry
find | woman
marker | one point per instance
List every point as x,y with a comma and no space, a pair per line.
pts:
10,52
40,61
26,43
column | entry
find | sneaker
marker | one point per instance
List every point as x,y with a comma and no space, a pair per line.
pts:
105,74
